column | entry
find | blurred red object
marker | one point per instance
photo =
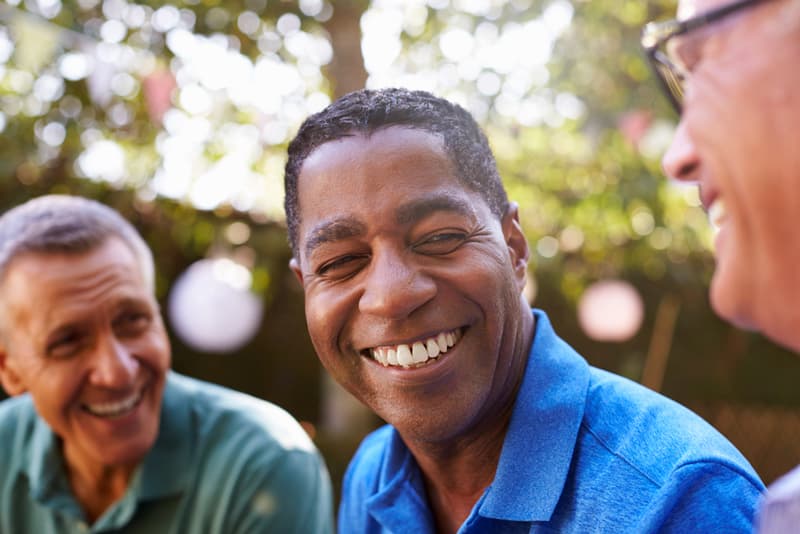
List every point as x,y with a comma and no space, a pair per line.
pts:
634,125
158,87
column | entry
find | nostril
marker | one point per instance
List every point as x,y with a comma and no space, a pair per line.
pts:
685,170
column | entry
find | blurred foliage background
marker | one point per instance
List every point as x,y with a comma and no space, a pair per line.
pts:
178,114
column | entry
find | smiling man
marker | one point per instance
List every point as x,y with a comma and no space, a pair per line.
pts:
101,436
413,262
731,71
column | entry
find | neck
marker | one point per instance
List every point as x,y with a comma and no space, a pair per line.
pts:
95,486
458,471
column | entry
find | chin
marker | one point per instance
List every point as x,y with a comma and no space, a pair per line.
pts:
127,454
783,328
738,312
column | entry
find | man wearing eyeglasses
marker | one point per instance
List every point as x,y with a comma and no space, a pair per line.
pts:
732,72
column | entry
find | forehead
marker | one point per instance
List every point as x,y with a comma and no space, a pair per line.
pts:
401,149
387,168
48,282
383,181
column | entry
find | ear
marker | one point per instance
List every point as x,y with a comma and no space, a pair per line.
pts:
294,265
9,377
517,243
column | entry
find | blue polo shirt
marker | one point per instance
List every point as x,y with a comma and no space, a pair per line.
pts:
223,462
585,451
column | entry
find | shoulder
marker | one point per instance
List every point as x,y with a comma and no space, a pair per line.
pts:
253,459
15,411
17,422
228,423
653,434
674,472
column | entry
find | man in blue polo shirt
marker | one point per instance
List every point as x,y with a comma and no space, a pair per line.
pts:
100,436
413,274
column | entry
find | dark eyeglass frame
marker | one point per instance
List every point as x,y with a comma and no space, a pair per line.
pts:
656,34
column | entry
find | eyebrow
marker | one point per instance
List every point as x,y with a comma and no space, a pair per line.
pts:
335,230
347,227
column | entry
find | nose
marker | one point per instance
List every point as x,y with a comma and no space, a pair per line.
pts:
394,287
115,366
681,161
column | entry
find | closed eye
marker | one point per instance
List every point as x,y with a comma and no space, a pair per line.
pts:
65,344
132,323
440,243
343,266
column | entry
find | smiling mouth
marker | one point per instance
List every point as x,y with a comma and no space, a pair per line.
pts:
717,213
416,354
116,408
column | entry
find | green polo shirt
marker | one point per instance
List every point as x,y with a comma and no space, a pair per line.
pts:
223,462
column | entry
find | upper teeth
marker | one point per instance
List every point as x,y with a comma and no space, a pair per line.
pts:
112,409
717,213
416,353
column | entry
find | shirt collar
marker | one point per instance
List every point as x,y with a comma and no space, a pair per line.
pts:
45,468
400,503
538,448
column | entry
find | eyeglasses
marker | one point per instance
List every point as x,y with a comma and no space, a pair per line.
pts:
655,38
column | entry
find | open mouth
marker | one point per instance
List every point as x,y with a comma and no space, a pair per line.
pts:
116,408
418,353
717,214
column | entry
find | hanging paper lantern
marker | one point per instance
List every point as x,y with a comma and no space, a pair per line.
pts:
211,307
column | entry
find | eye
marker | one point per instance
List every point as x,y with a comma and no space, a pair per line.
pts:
343,266
131,323
65,344
440,243
686,51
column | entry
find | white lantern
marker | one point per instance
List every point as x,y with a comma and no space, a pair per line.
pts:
211,307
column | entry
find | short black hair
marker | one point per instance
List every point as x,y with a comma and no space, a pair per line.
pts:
368,111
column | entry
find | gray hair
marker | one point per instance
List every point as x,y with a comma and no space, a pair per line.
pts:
67,224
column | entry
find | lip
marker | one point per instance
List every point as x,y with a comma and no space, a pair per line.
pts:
430,361
137,395
432,372
707,196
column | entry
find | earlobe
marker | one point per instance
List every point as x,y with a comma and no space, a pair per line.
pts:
8,376
516,242
294,265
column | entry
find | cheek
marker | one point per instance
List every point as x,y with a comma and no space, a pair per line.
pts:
55,389
326,313
154,348
489,275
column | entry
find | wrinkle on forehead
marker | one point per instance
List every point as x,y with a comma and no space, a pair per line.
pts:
70,285
92,296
